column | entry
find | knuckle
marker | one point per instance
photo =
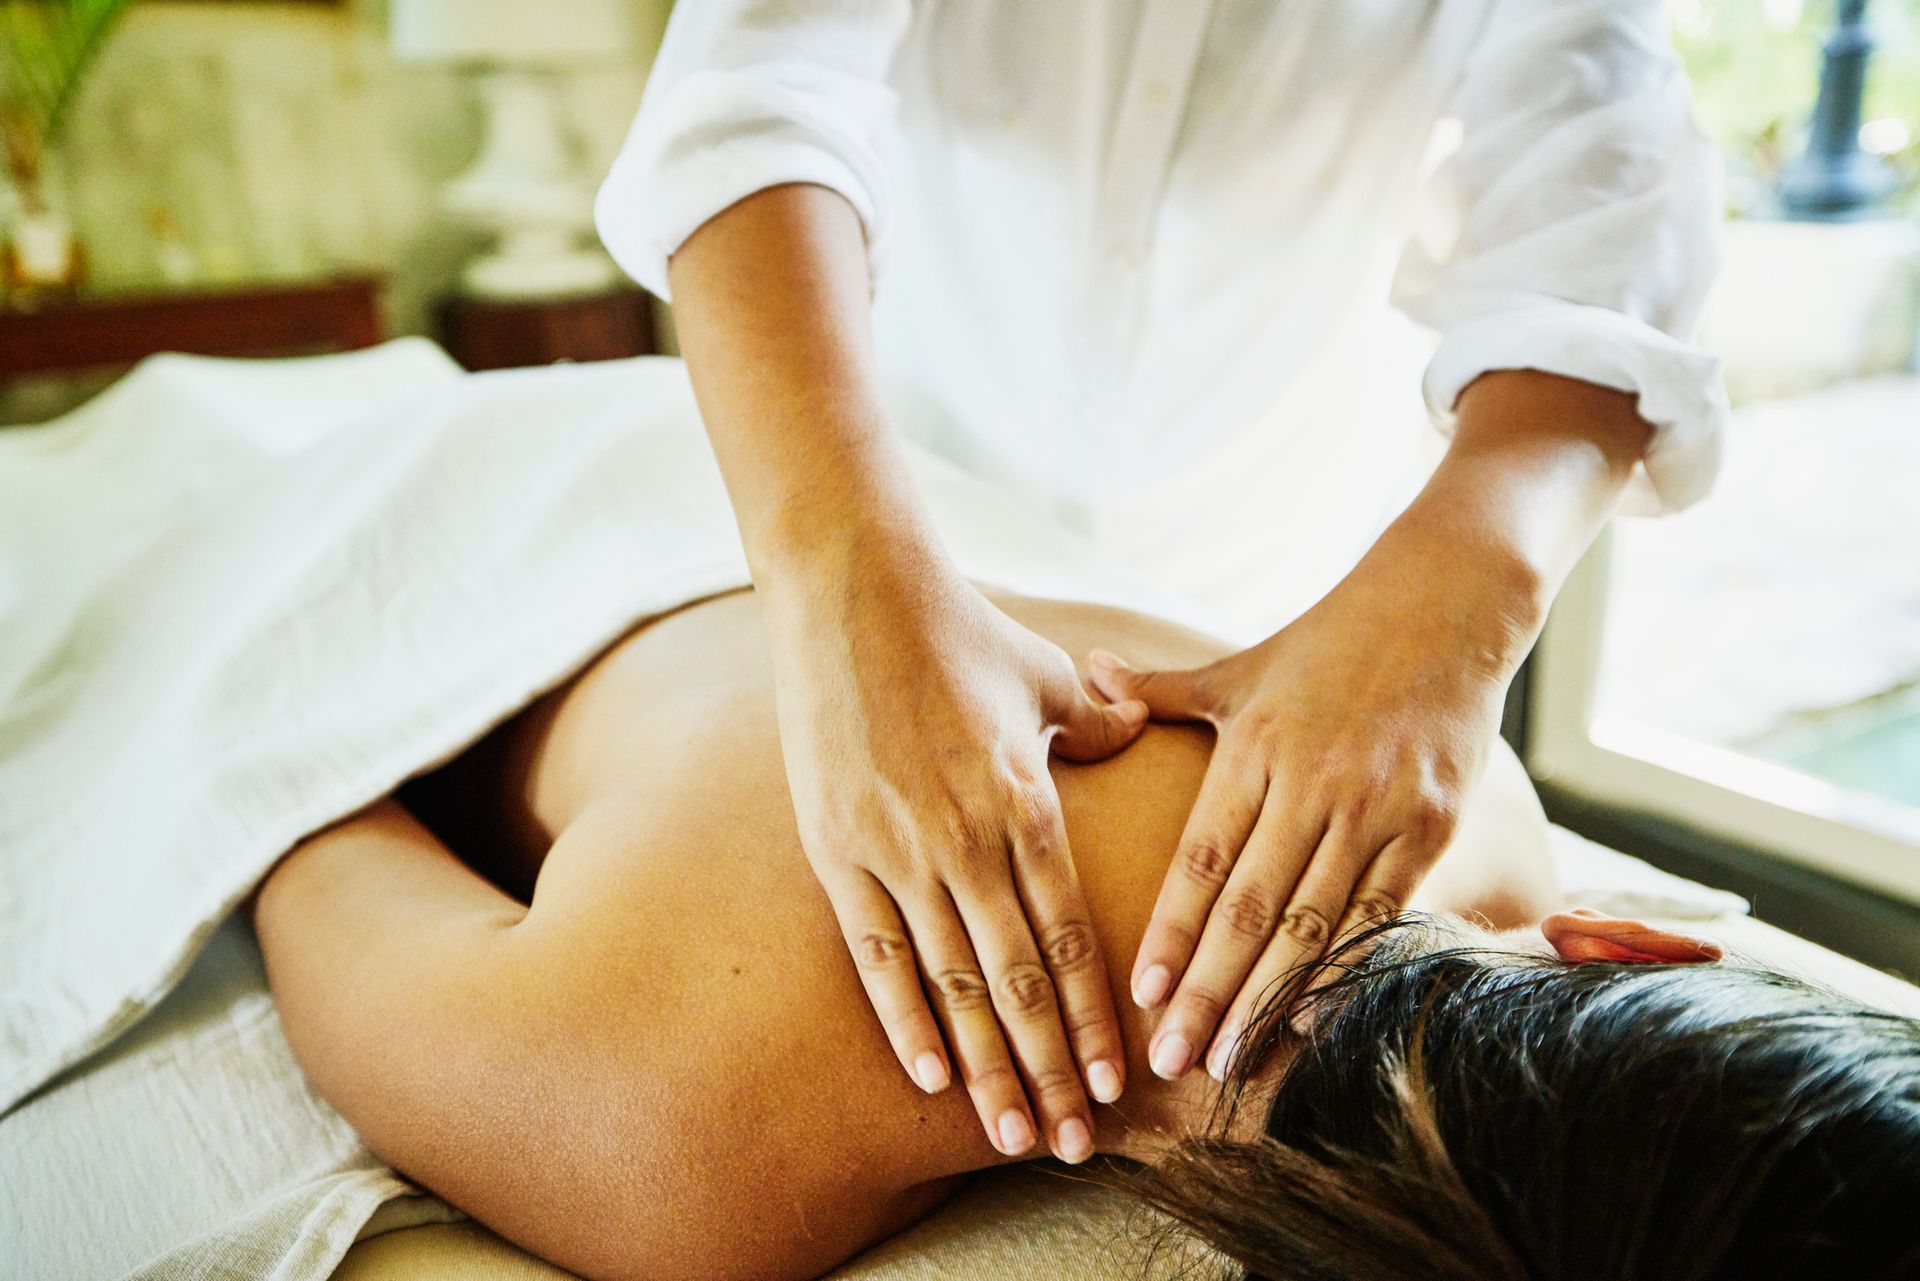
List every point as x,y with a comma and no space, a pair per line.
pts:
1250,912
997,1076
1322,774
948,827
1306,925
1433,820
1240,752
1033,843
1019,776
1032,821
977,872
1082,1023
1262,725
1054,1083
1206,862
971,829
1204,1003
1025,989
1377,905
1179,936
917,884
1069,946
881,949
1357,808
960,989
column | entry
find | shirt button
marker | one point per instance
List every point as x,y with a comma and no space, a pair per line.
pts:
1157,96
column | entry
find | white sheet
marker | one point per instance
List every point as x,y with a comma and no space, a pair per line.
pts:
238,602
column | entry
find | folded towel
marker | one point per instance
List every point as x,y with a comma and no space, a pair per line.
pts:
1594,876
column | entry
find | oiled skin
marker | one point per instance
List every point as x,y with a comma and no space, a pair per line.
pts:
665,1065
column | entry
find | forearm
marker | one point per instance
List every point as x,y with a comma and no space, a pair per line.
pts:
771,299
1535,467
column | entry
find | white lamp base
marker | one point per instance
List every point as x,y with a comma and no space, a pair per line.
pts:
520,189
530,264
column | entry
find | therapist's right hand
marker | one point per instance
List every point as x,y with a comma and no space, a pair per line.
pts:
916,721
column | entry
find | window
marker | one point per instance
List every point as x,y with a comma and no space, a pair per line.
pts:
1751,668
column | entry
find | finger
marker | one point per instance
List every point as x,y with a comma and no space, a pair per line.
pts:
1049,887
1024,997
1169,695
884,956
1238,930
1223,815
1090,731
1379,894
963,1002
1387,886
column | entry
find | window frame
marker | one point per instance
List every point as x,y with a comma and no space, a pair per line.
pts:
1866,840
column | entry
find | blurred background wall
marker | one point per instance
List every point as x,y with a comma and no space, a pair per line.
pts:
238,141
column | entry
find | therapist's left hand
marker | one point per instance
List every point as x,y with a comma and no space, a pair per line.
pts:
1347,744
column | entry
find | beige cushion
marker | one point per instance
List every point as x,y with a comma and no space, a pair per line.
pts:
1010,1225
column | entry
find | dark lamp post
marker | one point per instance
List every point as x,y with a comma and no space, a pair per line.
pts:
1834,179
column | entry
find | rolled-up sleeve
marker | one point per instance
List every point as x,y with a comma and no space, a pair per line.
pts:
1578,228
746,95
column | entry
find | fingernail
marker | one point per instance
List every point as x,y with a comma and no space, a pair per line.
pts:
1103,1079
1222,1051
930,1072
1016,1136
1105,658
1073,1142
1171,1055
1151,987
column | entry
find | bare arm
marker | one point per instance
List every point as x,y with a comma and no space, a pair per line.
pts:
915,718
771,299
473,1045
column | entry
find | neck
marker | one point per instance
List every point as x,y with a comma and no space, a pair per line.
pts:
1153,1114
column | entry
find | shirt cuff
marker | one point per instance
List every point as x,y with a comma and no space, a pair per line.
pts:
723,138
1678,386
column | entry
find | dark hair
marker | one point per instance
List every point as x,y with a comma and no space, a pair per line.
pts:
1461,1113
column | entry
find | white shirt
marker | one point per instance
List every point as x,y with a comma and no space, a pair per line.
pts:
1133,257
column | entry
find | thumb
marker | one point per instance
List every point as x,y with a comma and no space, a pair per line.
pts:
1169,695
1091,731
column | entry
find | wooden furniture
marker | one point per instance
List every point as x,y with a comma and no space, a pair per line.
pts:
484,333
266,320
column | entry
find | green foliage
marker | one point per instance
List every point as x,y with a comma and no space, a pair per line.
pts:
1756,71
49,46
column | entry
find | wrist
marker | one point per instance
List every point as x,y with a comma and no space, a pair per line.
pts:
827,533
878,553
1483,585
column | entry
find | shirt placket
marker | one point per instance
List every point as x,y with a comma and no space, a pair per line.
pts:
1146,125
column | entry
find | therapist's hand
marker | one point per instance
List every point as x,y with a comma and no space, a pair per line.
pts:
916,721
1347,744
1349,741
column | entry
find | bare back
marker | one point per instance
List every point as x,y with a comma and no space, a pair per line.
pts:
726,1039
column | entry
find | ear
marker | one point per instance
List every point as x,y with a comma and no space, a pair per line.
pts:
1586,935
